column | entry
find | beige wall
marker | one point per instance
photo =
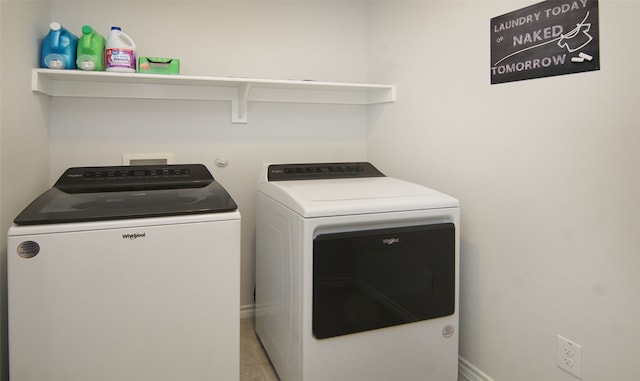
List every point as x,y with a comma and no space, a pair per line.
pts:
550,204
24,149
548,175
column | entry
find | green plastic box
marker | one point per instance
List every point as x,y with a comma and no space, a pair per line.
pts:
157,65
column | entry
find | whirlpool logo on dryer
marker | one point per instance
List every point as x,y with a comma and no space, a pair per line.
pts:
132,236
390,241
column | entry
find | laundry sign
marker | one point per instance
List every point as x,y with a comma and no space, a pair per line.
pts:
550,38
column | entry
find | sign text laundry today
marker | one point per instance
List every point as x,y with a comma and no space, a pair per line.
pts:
545,39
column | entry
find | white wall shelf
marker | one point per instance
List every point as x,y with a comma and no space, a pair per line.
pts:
240,91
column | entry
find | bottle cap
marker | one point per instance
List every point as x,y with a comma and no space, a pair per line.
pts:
116,28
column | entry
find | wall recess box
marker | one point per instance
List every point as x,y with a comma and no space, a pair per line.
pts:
147,158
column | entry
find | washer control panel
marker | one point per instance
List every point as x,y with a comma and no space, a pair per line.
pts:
139,177
284,172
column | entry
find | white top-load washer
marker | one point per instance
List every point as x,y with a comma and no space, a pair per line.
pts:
356,274
126,273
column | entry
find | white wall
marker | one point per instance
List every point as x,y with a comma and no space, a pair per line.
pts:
323,41
548,175
24,150
549,199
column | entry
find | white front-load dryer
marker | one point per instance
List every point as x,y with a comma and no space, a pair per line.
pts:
356,275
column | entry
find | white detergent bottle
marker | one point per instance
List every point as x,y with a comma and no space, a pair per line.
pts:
120,52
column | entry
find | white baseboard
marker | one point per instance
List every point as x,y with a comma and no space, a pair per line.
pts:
247,311
470,371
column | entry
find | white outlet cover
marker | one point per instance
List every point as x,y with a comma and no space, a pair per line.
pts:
569,356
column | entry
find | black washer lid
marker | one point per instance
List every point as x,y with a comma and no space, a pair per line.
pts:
123,192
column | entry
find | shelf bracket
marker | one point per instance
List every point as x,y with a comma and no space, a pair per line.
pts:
240,104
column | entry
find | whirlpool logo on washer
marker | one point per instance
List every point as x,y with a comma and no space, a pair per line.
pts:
132,236
390,241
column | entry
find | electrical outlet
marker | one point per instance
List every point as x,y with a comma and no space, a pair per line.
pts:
569,356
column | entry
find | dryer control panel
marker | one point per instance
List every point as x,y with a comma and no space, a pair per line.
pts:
317,171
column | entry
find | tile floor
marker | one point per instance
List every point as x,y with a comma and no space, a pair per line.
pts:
254,363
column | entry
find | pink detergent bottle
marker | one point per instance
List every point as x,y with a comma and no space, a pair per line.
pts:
120,52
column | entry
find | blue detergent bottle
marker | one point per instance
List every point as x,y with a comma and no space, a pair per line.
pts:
59,48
